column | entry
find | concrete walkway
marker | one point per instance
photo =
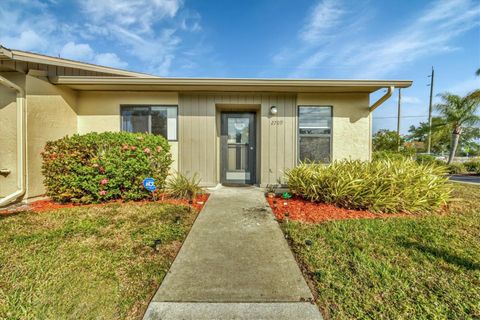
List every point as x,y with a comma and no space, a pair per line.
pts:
234,264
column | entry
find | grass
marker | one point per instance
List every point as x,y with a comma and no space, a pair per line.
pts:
422,267
97,262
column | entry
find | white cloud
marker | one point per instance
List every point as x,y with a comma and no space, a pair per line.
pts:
311,62
191,22
431,33
331,32
327,25
326,15
137,14
149,31
110,60
132,24
26,40
73,51
31,34
83,52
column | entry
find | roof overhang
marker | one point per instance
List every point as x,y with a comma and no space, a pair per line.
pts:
18,55
225,85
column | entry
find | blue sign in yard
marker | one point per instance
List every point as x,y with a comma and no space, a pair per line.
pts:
149,184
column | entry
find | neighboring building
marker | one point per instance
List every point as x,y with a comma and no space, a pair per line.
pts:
226,130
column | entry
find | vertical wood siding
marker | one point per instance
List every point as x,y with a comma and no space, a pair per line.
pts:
199,132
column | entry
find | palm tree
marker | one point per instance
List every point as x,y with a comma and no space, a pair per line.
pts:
478,72
458,112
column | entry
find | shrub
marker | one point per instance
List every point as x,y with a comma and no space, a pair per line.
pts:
472,166
382,155
180,186
456,168
388,185
102,166
429,159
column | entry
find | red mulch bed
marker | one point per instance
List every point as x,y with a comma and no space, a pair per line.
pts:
312,212
47,205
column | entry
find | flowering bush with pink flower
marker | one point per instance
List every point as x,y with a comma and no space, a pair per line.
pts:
98,167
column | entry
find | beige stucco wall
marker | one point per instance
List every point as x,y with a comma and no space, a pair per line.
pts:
51,114
8,133
199,126
99,111
351,125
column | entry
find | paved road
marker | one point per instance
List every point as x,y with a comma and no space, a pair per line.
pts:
474,179
234,264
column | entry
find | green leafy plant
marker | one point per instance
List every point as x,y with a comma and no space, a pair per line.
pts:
271,188
181,187
388,185
456,168
286,195
99,167
382,155
428,159
472,166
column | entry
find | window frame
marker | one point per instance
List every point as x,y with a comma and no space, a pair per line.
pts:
149,106
330,135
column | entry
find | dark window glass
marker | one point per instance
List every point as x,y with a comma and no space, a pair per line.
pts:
161,120
135,119
314,130
315,149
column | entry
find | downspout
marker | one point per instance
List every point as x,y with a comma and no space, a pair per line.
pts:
382,98
21,143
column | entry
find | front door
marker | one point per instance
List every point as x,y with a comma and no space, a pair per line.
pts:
238,148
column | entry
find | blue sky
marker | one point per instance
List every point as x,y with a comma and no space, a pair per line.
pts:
326,39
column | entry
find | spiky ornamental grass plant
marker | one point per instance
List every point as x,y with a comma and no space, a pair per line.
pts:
388,185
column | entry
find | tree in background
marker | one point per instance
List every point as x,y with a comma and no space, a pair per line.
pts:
442,136
387,140
439,133
458,112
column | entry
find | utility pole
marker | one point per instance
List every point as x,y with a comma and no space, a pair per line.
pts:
399,114
429,143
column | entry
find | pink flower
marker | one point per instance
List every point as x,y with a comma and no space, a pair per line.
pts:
95,165
102,192
104,181
125,147
133,148
159,148
146,150
101,169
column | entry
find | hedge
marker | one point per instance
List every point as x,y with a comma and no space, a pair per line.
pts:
98,167
389,185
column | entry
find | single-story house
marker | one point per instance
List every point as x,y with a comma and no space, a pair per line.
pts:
225,130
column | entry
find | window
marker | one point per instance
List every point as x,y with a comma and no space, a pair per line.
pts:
315,133
160,120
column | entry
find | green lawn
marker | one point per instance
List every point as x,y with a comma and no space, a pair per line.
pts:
89,262
424,267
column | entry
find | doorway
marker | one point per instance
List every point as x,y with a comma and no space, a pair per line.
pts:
238,148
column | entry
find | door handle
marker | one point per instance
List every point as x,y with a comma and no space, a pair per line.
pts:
251,148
